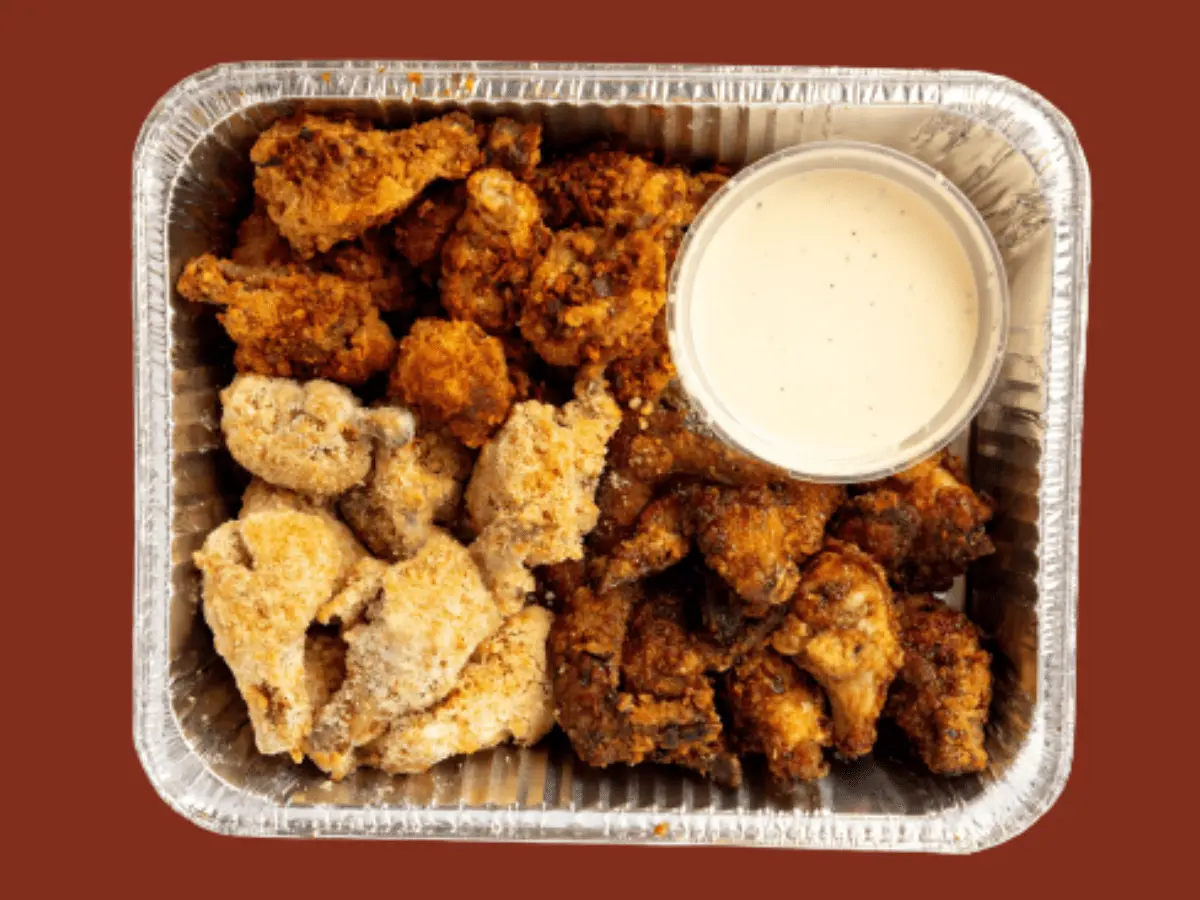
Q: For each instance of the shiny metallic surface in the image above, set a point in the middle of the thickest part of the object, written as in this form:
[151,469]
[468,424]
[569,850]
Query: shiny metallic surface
[1013,155]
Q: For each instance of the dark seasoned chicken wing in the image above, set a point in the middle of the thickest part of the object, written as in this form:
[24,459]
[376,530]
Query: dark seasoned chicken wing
[942,693]
[515,146]
[924,525]
[422,229]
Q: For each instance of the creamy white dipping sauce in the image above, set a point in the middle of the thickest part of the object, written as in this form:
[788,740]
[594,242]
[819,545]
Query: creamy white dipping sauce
[835,311]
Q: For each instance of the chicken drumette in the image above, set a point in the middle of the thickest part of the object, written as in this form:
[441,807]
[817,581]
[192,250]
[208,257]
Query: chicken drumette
[325,181]
[942,693]
[488,259]
[842,630]
[924,525]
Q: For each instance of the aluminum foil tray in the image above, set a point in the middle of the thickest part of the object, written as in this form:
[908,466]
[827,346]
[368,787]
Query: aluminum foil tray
[1014,156]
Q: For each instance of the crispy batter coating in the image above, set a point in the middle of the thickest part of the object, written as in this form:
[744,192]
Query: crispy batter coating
[942,694]
[488,260]
[616,190]
[779,712]
[431,613]
[293,322]
[504,693]
[514,146]
[924,525]
[731,625]
[259,243]
[640,379]
[325,182]
[531,497]
[314,438]
[409,488]
[454,374]
[842,629]
[264,577]
[595,296]
[324,668]
[665,713]
[422,229]
[369,262]
[753,537]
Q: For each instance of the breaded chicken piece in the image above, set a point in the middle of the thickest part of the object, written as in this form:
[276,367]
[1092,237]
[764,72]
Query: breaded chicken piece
[369,262]
[924,525]
[259,243]
[488,260]
[594,296]
[753,537]
[640,379]
[630,685]
[325,182]
[314,438]
[942,694]
[431,613]
[454,374]
[503,694]
[531,498]
[779,711]
[293,322]
[730,624]
[264,577]
[422,229]
[842,629]
[409,488]
[514,146]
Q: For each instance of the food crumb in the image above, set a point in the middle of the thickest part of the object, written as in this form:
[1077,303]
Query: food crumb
[326,77]
[326,785]
[635,402]
[662,829]
[382,69]
[415,78]
[469,84]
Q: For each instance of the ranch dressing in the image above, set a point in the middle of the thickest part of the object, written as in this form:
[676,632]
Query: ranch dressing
[835,311]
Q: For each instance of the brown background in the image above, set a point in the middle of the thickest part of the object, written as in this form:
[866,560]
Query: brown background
[77,87]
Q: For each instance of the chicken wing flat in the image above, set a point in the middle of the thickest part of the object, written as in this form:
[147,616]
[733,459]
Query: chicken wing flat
[488,260]
[608,725]
[943,692]
[779,712]
[503,694]
[409,489]
[431,613]
[454,374]
[924,525]
[514,146]
[595,296]
[314,438]
[325,182]
[531,498]
[264,577]
[422,229]
[842,629]
[293,322]
[753,537]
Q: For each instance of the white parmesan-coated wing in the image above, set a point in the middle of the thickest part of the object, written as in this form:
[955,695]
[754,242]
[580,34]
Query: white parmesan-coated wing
[430,614]
[504,694]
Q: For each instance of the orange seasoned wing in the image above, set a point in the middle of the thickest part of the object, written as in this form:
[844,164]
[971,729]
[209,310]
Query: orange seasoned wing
[325,181]
[292,322]
[454,374]
[487,261]
[595,296]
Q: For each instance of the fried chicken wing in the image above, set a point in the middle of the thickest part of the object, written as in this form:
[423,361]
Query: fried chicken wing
[730,623]
[640,379]
[259,243]
[369,262]
[515,146]
[924,525]
[431,613]
[325,182]
[422,229]
[842,629]
[488,259]
[264,577]
[779,712]
[753,537]
[314,438]
[293,322]
[409,489]
[503,694]
[594,297]
[942,694]
[531,497]
[592,643]
[454,374]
